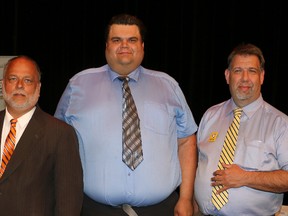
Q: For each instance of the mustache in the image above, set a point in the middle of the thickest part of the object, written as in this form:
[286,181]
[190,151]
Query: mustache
[19,92]
[245,84]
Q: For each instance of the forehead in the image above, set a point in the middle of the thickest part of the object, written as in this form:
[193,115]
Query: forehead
[117,30]
[245,60]
[21,67]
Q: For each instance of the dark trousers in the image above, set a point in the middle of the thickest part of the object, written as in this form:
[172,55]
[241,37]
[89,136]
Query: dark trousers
[164,208]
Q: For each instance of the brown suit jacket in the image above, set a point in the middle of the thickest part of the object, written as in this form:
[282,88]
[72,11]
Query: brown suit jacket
[44,175]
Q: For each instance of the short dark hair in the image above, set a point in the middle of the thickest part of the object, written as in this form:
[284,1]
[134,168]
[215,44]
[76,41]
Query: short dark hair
[126,19]
[247,49]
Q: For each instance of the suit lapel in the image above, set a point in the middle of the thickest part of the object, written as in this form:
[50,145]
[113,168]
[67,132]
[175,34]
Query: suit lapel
[2,115]
[25,145]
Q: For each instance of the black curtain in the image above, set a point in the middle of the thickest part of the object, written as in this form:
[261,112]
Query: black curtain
[190,40]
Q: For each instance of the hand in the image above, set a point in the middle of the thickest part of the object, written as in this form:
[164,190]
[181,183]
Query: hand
[184,207]
[231,177]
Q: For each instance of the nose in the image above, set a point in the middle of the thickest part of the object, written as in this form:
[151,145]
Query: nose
[245,75]
[124,43]
[19,83]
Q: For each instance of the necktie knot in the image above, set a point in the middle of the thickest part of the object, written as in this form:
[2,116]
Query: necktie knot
[13,122]
[237,111]
[124,78]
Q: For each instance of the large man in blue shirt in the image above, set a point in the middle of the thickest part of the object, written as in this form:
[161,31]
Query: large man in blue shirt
[92,103]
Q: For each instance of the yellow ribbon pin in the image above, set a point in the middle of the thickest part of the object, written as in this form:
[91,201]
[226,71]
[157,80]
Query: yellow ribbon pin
[213,136]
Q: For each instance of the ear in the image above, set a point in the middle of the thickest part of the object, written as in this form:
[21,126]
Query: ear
[227,76]
[262,77]
[39,87]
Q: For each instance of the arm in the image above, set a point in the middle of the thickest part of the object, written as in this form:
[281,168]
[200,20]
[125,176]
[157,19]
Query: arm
[187,151]
[233,177]
[68,174]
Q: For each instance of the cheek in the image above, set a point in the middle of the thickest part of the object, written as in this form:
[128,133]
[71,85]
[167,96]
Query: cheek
[111,52]
[234,82]
[8,88]
[32,90]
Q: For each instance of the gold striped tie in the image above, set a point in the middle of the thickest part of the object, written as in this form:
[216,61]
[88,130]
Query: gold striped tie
[132,154]
[8,146]
[227,157]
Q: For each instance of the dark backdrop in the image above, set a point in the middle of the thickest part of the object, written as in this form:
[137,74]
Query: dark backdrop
[190,40]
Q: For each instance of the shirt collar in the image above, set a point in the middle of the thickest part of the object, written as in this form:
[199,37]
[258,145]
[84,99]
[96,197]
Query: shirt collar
[134,75]
[249,109]
[23,120]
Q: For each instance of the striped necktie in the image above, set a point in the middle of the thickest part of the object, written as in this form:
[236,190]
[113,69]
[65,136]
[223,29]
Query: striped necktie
[227,157]
[132,154]
[8,146]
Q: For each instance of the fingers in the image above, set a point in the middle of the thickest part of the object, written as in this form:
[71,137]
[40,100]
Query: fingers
[221,190]
[216,181]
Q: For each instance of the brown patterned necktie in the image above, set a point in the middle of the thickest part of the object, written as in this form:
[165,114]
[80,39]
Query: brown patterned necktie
[8,146]
[227,157]
[132,154]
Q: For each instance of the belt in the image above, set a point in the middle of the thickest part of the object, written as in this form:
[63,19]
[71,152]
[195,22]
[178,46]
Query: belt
[129,210]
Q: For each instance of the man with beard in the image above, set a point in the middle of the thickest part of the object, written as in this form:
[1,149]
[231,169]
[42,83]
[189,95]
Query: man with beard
[252,181]
[41,172]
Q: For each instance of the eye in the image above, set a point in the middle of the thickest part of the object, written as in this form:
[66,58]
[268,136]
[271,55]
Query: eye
[115,40]
[12,79]
[133,40]
[237,70]
[253,70]
[28,81]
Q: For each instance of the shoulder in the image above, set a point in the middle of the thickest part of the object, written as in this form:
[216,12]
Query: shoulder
[216,108]
[47,120]
[159,75]
[273,111]
[88,72]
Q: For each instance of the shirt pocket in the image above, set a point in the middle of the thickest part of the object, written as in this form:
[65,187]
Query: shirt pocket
[156,118]
[254,155]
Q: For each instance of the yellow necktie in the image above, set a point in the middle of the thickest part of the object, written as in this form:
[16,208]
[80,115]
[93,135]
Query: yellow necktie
[227,157]
[8,146]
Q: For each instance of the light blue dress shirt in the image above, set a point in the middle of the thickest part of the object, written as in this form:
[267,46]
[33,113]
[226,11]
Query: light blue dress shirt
[92,104]
[262,146]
